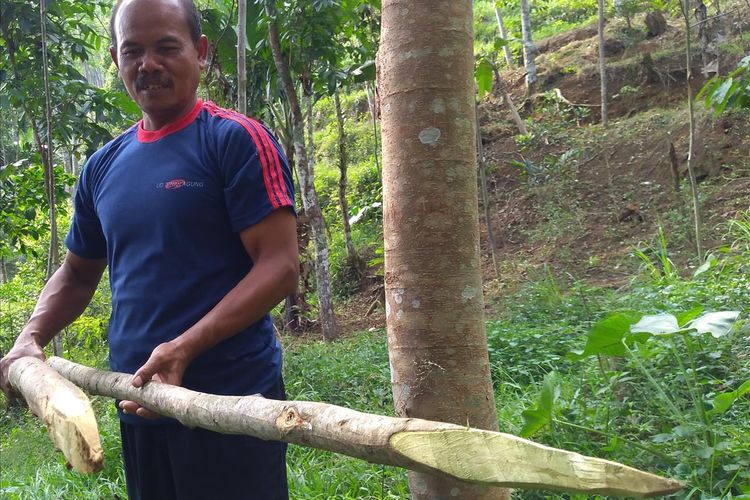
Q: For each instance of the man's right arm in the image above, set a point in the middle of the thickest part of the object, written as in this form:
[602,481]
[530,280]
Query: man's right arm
[63,299]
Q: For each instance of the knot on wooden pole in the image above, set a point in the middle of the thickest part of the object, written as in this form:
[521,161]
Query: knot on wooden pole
[291,419]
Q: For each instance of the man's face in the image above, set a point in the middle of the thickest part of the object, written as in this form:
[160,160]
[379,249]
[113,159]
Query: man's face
[157,59]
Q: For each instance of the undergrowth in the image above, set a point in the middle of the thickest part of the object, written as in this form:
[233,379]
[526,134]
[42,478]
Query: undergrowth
[652,402]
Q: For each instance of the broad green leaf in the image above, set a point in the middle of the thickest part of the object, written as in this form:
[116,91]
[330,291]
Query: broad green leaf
[719,95]
[606,336]
[723,401]
[499,43]
[483,75]
[710,262]
[683,318]
[717,324]
[658,324]
[540,416]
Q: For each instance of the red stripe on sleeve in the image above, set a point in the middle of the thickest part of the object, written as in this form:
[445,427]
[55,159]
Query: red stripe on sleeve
[276,165]
[277,180]
[267,176]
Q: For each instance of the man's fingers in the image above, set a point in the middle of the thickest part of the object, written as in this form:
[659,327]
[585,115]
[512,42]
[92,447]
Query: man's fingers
[146,413]
[133,408]
[143,375]
[129,407]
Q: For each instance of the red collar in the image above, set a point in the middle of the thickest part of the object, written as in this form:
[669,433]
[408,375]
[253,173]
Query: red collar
[170,128]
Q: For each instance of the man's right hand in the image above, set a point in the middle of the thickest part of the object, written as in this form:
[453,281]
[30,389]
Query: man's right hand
[25,346]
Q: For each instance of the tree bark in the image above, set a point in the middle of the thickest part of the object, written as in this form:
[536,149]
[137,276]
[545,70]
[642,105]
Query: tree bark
[504,36]
[241,57]
[65,410]
[452,451]
[485,195]
[353,259]
[307,187]
[529,49]
[434,306]
[373,105]
[500,86]
[685,9]
[603,67]
[53,259]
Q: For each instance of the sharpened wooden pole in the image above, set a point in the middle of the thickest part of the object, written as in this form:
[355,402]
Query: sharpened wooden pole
[467,454]
[65,410]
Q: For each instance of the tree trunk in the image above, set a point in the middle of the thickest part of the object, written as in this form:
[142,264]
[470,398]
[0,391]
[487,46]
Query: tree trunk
[307,187]
[53,259]
[241,57]
[450,450]
[352,257]
[373,105]
[529,49]
[685,9]
[504,36]
[485,195]
[500,86]
[603,67]
[674,166]
[434,306]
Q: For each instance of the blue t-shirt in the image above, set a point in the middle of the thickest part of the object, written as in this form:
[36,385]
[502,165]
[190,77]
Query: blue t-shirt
[165,208]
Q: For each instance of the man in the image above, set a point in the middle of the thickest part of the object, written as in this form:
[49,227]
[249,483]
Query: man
[191,208]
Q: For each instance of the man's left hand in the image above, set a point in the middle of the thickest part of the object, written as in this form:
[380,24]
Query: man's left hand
[167,365]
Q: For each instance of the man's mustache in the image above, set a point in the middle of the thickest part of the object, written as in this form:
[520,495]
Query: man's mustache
[143,81]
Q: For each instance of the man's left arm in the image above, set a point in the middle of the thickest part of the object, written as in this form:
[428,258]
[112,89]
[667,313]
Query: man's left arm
[272,245]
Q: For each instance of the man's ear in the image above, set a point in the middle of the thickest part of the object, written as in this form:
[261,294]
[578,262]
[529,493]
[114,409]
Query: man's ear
[113,55]
[202,47]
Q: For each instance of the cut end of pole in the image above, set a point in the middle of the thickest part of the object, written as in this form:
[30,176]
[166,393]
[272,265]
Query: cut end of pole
[64,409]
[487,457]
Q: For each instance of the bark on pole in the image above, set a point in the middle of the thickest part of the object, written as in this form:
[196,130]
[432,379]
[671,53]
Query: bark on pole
[434,305]
[439,448]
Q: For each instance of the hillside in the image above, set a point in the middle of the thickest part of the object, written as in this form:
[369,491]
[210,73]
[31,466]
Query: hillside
[579,199]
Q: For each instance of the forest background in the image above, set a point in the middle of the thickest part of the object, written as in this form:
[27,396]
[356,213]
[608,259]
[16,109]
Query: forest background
[587,226]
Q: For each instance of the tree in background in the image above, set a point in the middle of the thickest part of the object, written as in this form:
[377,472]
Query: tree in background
[75,125]
[353,260]
[685,9]
[503,35]
[529,49]
[307,187]
[434,304]
[602,64]
[241,57]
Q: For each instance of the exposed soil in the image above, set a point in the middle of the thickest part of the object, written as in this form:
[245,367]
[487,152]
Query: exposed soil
[589,196]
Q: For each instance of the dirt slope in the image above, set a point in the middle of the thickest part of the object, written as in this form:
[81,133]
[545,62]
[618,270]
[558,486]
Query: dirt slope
[577,198]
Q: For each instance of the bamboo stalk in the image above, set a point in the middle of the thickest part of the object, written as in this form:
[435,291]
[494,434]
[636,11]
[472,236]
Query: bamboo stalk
[463,453]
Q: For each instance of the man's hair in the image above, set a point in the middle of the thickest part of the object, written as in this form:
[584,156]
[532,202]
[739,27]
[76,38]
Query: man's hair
[192,17]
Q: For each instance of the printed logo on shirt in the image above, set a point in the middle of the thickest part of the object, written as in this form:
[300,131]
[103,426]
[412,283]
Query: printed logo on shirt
[178,184]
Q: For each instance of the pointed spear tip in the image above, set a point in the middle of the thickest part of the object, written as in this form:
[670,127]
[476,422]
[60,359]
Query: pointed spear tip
[505,460]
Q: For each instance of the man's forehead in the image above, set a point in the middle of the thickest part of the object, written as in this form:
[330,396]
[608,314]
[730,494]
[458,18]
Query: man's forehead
[143,10]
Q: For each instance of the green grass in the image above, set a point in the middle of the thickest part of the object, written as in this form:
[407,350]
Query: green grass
[649,409]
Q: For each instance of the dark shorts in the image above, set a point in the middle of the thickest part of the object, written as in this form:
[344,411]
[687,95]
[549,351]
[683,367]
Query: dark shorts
[164,462]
